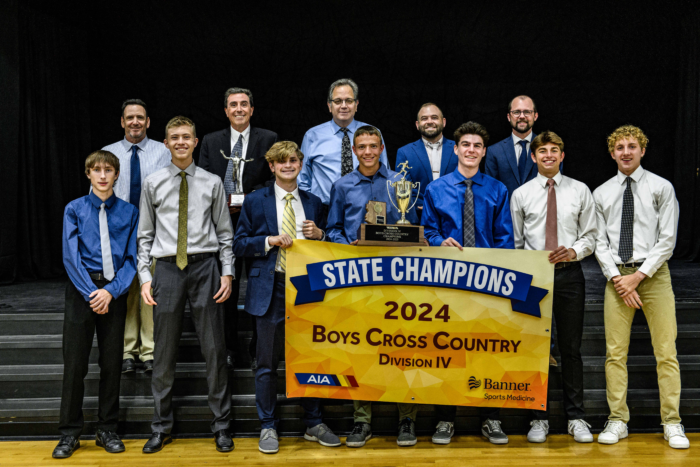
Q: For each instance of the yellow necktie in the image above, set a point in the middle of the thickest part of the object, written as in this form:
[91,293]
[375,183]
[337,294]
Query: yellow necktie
[181,258]
[289,226]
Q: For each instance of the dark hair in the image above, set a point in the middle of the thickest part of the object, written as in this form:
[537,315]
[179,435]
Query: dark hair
[101,157]
[367,130]
[230,91]
[510,103]
[427,104]
[134,102]
[546,137]
[472,128]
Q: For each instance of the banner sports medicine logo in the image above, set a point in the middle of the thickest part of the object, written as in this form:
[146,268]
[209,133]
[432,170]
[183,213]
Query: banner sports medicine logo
[474,383]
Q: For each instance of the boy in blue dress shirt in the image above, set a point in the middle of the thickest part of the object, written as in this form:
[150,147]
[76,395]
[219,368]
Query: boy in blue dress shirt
[99,254]
[468,209]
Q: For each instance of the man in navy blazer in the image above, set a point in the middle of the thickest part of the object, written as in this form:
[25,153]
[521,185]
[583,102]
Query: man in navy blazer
[509,161]
[430,157]
[271,218]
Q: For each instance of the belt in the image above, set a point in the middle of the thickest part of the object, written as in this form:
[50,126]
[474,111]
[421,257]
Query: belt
[190,258]
[98,276]
[630,265]
[565,264]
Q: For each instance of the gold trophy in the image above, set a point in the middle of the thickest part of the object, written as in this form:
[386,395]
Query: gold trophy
[400,234]
[403,189]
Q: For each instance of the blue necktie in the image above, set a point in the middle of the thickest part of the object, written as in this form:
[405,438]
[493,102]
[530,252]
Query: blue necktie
[522,161]
[135,186]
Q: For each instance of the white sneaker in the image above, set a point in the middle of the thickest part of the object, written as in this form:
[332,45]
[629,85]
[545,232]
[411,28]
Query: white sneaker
[538,432]
[614,431]
[580,430]
[675,435]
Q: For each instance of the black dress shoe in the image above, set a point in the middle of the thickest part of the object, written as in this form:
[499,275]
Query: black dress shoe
[156,443]
[110,441]
[66,446]
[148,366]
[128,365]
[224,443]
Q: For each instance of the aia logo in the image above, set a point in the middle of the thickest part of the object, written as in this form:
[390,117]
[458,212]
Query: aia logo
[474,383]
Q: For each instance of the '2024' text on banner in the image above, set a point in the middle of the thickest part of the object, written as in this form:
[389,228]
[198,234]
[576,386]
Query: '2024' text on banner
[418,324]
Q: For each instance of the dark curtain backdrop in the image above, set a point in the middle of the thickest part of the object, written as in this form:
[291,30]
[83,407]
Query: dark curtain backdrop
[590,67]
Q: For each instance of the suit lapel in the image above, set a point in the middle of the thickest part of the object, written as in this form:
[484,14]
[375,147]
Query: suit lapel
[530,164]
[448,152]
[422,156]
[270,208]
[226,142]
[308,207]
[254,138]
[510,155]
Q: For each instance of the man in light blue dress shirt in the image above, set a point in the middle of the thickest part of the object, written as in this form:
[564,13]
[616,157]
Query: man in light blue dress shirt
[327,146]
[148,156]
[349,197]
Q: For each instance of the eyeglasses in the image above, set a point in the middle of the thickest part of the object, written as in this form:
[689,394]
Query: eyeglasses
[340,101]
[526,113]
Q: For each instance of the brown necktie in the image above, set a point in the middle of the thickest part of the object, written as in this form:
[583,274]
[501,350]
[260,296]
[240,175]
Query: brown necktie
[550,237]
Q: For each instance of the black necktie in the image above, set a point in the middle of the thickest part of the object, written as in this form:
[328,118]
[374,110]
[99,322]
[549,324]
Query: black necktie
[522,161]
[345,154]
[135,182]
[627,223]
[469,240]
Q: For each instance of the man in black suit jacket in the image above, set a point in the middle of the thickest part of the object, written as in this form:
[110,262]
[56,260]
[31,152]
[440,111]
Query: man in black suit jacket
[249,143]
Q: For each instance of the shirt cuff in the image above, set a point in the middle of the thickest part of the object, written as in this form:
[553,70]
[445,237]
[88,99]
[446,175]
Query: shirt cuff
[227,270]
[647,269]
[579,252]
[145,277]
[611,272]
[110,288]
[267,245]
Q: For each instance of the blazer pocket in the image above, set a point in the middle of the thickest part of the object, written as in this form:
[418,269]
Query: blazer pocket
[254,272]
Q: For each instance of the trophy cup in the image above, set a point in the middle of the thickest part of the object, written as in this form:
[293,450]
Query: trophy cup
[236,198]
[374,232]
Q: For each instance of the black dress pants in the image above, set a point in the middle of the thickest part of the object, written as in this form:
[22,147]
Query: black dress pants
[568,307]
[79,325]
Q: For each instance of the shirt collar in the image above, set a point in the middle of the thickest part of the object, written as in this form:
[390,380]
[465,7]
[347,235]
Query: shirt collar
[97,202]
[280,193]
[382,172]
[141,145]
[636,175]
[439,143]
[175,170]
[336,128]
[542,180]
[478,178]
[517,140]
[235,134]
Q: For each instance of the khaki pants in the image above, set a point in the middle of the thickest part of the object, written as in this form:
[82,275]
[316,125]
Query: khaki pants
[138,331]
[660,310]
[363,411]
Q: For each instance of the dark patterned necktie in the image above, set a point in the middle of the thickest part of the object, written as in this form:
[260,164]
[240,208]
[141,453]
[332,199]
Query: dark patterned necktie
[345,154]
[229,185]
[135,182]
[522,161]
[627,223]
[468,216]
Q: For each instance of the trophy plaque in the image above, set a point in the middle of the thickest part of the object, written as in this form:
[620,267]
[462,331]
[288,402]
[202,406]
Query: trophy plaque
[236,198]
[375,233]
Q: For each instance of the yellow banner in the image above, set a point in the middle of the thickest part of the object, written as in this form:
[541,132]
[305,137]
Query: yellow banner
[425,325]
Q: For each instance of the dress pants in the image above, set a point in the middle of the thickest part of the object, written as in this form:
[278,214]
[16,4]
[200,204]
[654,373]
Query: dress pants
[568,303]
[172,287]
[270,343]
[79,326]
[448,413]
[138,330]
[363,411]
[659,308]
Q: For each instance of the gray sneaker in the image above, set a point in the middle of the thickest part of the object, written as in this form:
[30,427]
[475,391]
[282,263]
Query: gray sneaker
[269,443]
[539,431]
[407,433]
[444,433]
[361,433]
[492,430]
[323,435]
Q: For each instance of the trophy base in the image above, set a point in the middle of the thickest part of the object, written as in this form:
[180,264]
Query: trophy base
[236,200]
[390,235]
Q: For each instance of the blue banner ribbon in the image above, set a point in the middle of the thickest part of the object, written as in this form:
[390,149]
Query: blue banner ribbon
[420,271]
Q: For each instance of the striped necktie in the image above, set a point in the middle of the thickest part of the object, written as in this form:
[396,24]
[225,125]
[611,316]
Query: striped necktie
[289,226]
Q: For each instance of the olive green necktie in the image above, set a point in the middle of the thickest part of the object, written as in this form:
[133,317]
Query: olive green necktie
[289,226]
[182,224]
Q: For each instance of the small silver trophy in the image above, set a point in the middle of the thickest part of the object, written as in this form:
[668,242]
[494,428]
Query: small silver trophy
[236,198]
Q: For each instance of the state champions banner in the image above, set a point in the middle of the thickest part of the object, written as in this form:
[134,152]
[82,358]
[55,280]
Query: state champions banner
[425,325]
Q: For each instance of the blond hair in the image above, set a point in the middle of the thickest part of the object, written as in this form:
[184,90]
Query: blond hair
[627,131]
[101,157]
[283,150]
[178,122]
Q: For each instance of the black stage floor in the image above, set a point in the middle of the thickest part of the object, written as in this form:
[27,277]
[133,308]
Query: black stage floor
[48,295]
